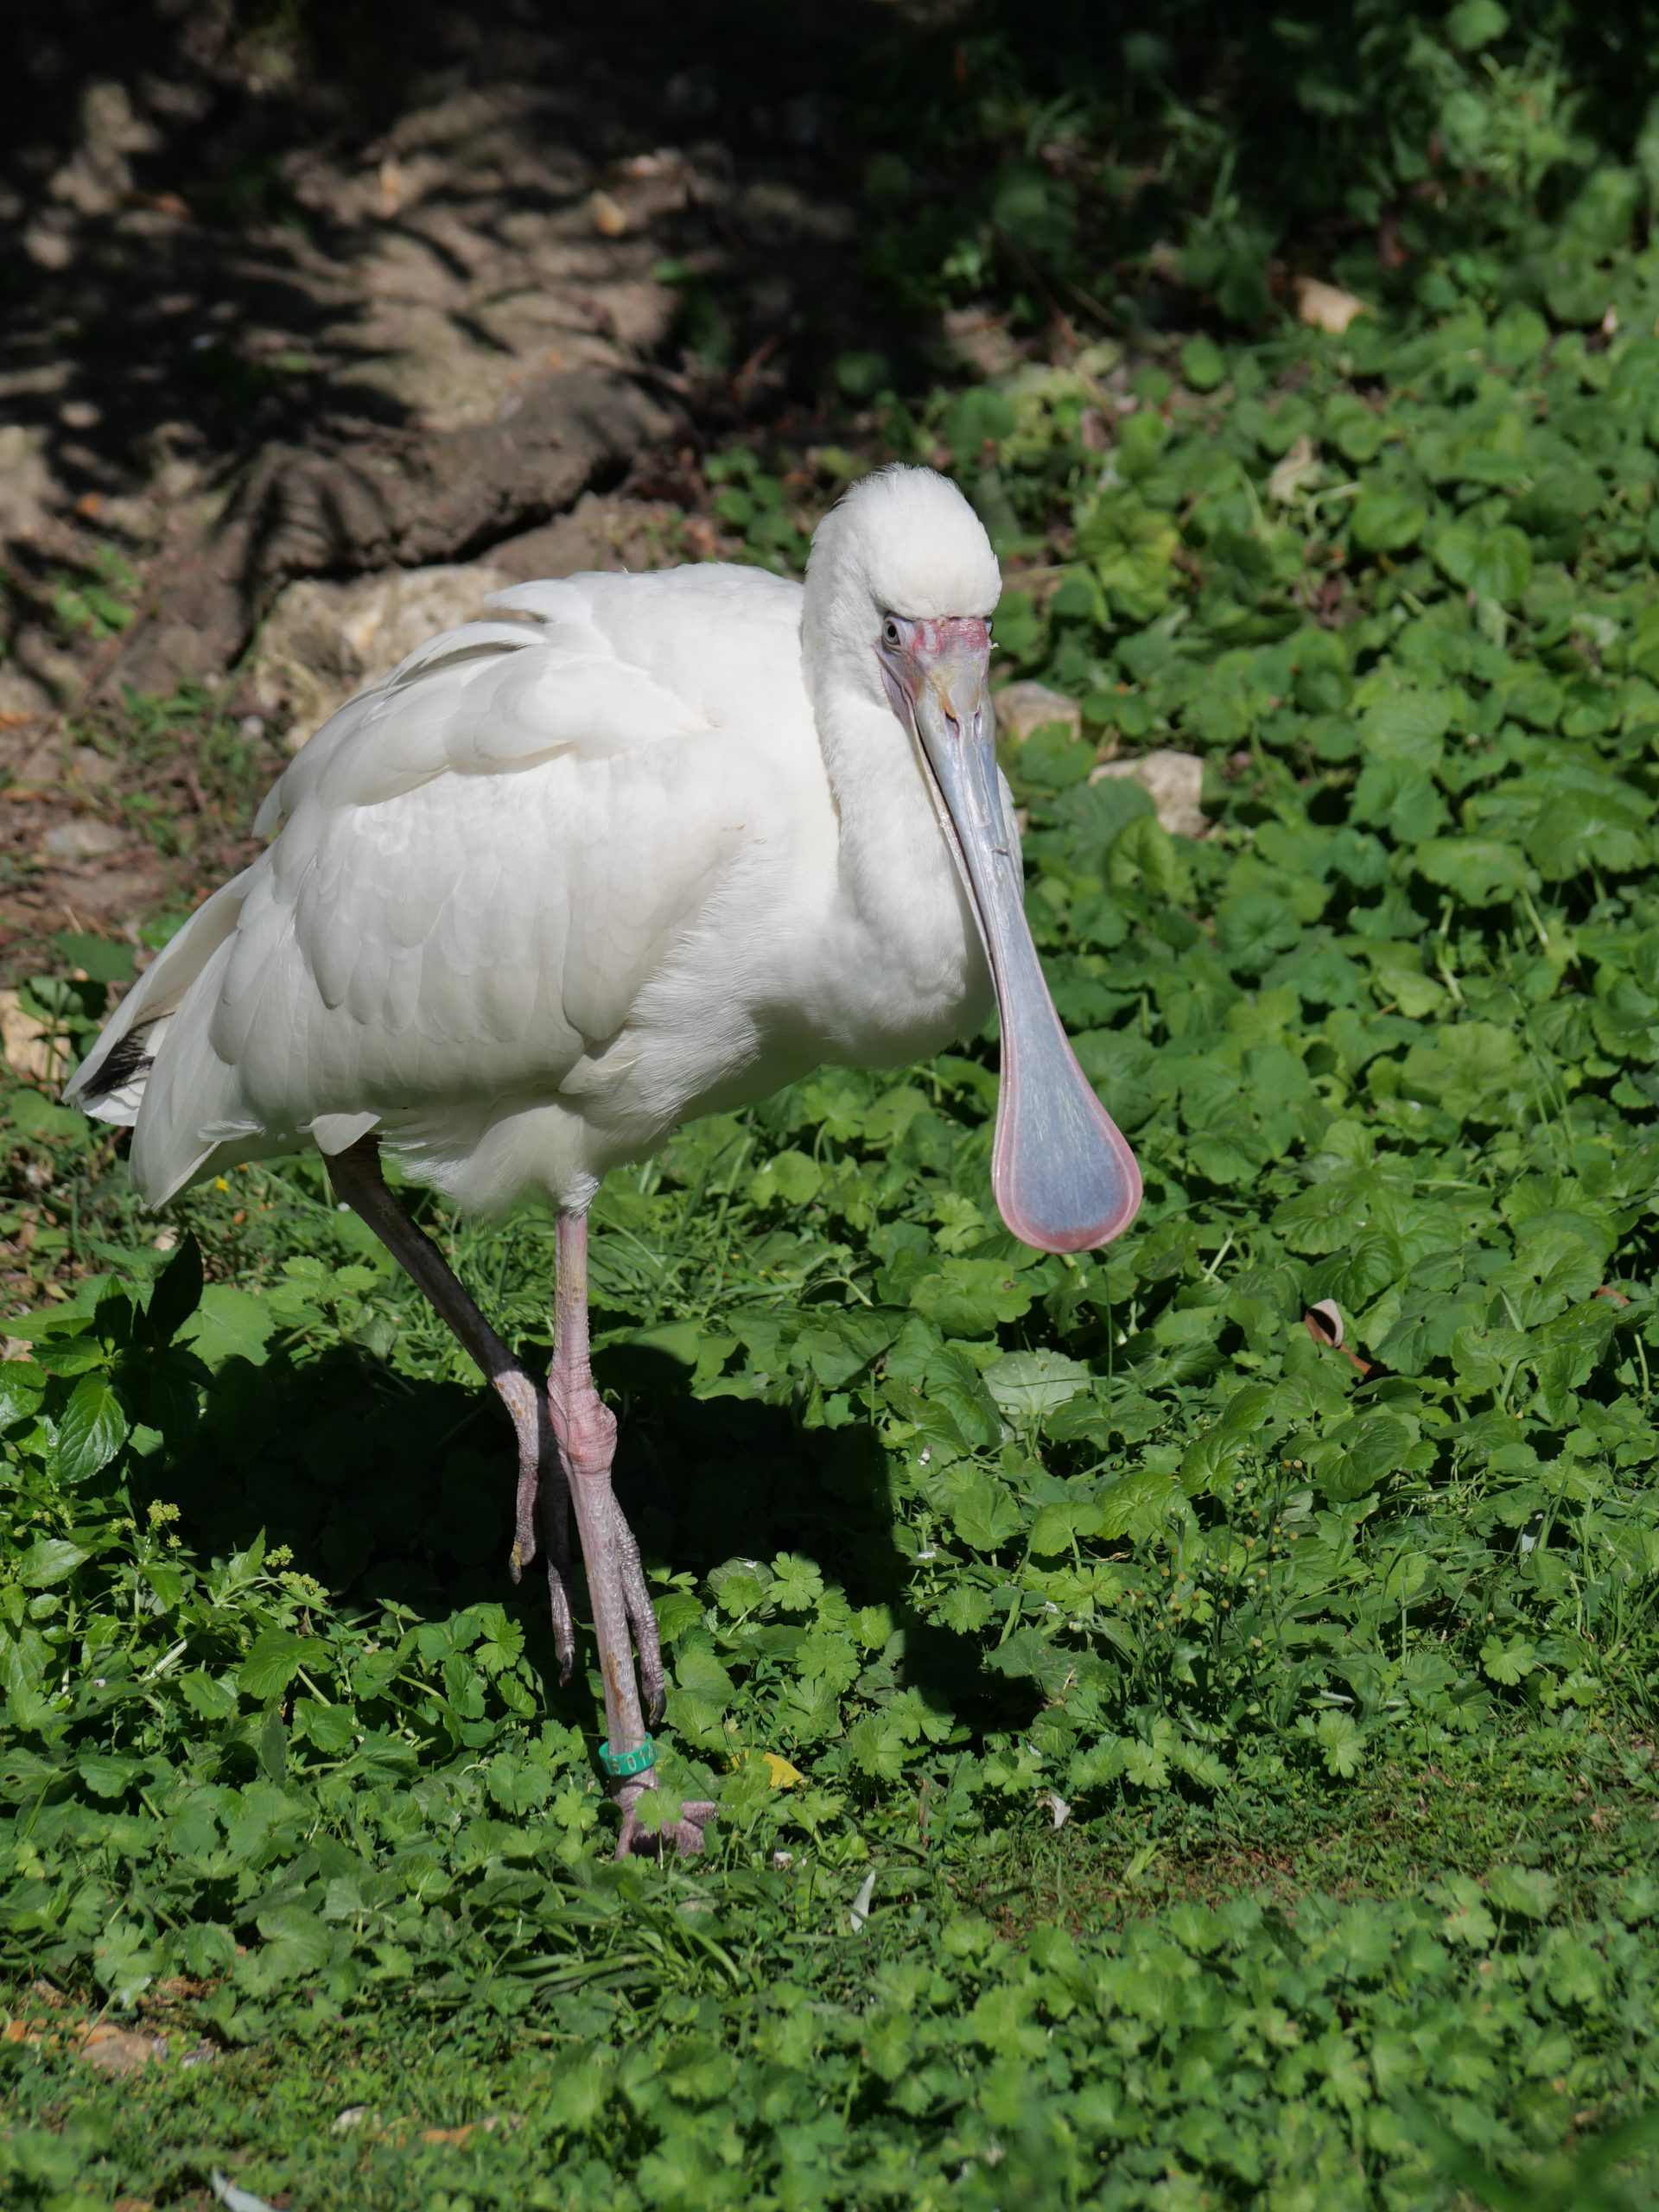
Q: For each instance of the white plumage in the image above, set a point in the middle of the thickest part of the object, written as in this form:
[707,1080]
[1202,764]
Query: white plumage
[555,884]
[632,848]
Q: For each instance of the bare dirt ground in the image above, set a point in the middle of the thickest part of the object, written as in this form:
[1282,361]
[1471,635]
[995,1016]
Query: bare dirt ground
[467,284]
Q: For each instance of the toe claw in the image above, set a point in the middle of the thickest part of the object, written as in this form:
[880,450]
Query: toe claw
[684,1838]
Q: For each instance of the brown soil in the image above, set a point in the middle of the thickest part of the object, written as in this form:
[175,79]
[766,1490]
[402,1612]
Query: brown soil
[307,293]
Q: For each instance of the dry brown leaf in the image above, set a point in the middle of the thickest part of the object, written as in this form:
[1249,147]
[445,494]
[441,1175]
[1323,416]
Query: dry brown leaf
[487,2126]
[1327,306]
[117,2051]
[176,1988]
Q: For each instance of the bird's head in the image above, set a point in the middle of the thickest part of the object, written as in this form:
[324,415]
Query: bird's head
[905,583]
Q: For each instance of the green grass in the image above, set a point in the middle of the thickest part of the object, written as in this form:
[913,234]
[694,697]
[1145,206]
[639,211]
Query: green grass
[1342,1673]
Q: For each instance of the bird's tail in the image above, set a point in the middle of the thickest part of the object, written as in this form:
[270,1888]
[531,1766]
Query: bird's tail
[156,1025]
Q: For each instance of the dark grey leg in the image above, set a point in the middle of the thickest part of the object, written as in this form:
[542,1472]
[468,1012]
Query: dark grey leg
[356,1176]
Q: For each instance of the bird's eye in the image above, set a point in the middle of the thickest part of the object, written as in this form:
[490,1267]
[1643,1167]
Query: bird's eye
[889,633]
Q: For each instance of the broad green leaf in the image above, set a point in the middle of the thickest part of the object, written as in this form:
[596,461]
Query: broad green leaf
[47,1561]
[1580,830]
[1480,870]
[982,1513]
[1474,23]
[276,1657]
[177,1293]
[1494,564]
[1359,1454]
[1386,522]
[1528,1890]
[791,1176]
[969,1298]
[1203,364]
[1138,1505]
[228,1324]
[1028,1384]
[1508,1660]
[106,1776]
[1341,1742]
[91,1431]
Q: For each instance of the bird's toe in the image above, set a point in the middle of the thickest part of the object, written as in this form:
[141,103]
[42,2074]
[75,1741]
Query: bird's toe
[656,1699]
[681,1839]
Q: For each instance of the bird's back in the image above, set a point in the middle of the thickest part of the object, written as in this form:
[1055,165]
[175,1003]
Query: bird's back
[490,878]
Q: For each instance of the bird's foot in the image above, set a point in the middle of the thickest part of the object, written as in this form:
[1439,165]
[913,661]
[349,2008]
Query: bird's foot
[681,1839]
[587,1427]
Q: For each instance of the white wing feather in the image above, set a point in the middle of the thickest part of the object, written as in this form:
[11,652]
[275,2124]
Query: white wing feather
[479,865]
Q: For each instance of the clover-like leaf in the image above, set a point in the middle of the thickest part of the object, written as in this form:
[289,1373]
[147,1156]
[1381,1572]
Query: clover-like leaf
[1480,870]
[1028,1384]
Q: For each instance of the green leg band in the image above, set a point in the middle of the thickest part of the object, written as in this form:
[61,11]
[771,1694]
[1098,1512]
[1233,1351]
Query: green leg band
[620,1765]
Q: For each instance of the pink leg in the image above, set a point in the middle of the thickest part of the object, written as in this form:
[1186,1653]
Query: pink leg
[585,1428]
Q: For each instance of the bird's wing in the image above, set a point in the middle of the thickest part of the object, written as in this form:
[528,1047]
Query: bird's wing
[481,861]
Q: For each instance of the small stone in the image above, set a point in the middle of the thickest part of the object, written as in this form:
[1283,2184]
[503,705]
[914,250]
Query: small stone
[610,220]
[91,767]
[1175,783]
[1327,306]
[117,2052]
[84,839]
[1024,707]
[22,699]
[28,1044]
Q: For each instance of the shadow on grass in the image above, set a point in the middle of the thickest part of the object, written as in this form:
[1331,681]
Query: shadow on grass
[392,1489]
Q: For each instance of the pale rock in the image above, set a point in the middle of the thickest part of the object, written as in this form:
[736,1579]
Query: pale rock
[1024,707]
[27,493]
[118,2051]
[93,768]
[1172,781]
[1327,306]
[84,839]
[21,697]
[323,642]
[28,1043]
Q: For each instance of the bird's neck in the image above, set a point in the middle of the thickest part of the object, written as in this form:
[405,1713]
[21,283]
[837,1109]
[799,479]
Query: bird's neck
[900,906]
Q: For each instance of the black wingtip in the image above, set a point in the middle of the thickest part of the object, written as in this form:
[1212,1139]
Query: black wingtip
[128,1061]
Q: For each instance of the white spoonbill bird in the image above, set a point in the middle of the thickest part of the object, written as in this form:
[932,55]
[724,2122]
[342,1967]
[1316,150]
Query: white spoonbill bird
[632,848]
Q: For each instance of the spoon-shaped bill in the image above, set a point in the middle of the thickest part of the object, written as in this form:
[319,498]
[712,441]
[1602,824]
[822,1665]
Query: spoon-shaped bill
[1064,1176]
